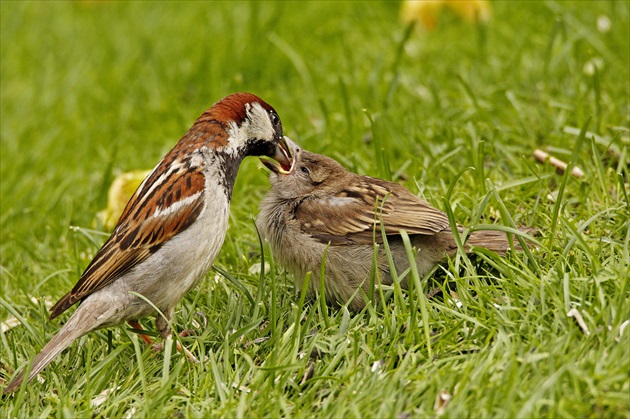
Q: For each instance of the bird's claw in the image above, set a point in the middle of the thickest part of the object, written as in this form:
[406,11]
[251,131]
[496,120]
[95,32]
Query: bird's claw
[159,347]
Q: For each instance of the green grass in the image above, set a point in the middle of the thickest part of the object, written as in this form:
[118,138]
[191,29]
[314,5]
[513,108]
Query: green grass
[93,89]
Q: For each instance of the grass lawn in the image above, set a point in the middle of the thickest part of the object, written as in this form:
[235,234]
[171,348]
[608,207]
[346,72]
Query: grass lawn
[93,89]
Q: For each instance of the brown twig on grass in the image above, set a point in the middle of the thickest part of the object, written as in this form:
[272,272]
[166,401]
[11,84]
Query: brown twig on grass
[561,166]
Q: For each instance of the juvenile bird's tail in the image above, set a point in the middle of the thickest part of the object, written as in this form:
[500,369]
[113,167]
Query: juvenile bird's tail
[78,325]
[496,241]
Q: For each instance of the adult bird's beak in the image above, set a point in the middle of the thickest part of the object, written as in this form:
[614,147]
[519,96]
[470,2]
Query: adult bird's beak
[283,159]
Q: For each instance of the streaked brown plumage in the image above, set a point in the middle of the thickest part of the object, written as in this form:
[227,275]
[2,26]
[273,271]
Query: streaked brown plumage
[317,206]
[172,228]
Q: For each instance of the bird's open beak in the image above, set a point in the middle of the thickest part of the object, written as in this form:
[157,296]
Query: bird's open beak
[283,159]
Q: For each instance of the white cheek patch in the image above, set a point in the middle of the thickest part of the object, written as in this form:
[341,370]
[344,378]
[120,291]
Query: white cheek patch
[258,125]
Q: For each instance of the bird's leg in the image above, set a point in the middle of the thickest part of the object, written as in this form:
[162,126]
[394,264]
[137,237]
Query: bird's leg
[165,332]
[162,325]
[136,325]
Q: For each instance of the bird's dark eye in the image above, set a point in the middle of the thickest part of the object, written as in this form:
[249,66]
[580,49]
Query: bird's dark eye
[275,119]
[304,170]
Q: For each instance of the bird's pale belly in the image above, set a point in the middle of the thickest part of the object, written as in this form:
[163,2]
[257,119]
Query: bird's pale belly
[172,271]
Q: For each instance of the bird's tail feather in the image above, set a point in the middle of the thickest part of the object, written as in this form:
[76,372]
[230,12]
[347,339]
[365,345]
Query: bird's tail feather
[496,241]
[72,330]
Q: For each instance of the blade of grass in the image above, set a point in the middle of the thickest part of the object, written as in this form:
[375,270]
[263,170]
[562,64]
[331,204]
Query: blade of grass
[138,353]
[400,49]
[237,283]
[565,179]
[166,362]
[420,294]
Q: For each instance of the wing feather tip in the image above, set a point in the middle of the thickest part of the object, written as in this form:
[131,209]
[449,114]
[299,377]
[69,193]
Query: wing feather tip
[62,305]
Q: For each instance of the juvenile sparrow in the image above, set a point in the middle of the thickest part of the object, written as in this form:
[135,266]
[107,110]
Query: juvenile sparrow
[317,206]
[172,228]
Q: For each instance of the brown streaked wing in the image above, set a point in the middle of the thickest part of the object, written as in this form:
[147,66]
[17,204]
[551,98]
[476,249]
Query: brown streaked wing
[139,233]
[353,221]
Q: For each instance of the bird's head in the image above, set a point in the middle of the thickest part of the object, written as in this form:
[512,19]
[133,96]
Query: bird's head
[309,173]
[240,125]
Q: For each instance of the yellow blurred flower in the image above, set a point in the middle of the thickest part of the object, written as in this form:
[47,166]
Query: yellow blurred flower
[428,11]
[118,195]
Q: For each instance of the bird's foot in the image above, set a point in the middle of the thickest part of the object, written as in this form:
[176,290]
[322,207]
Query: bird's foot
[159,346]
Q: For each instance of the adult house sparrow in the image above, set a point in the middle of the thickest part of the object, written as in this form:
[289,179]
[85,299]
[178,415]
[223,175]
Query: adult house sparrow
[172,228]
[317,206]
